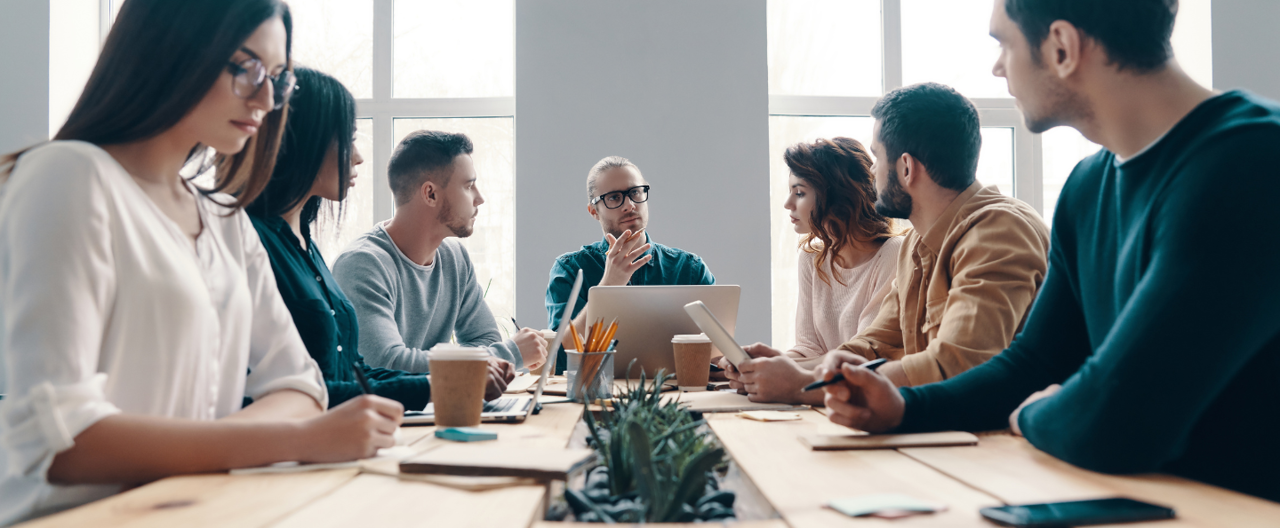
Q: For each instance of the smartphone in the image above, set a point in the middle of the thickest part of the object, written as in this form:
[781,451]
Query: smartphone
[1077,513]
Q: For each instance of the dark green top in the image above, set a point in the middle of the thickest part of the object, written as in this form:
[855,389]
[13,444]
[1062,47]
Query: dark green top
[1160,313]
[327,321]
[668,267]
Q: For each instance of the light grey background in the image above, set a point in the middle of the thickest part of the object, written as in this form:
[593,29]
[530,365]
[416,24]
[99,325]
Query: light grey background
[24,74]
[1246,46]
[679,88]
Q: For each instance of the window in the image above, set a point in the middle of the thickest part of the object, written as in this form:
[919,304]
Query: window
[424,64]
[830,60]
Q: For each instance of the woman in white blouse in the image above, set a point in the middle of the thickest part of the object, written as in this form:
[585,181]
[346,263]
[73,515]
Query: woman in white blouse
[138,311]
[847,261]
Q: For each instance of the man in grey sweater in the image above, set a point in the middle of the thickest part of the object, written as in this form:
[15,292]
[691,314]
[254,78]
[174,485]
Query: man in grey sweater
[412,284]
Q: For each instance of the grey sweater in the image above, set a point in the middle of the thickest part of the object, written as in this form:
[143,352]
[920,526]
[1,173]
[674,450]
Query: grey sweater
[405,309]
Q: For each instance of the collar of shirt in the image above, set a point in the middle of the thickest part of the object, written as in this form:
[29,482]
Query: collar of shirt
[285,231]
[938,232]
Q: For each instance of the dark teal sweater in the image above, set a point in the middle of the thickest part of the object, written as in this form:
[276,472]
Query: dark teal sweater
[1160,313]
[327,321]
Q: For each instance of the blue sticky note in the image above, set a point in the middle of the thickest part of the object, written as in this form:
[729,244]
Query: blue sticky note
[466,434]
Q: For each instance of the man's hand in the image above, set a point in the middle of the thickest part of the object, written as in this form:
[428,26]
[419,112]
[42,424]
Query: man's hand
[864,400]
[533,347]
[501,372]
[1040,395]
[624,257]
[777,379]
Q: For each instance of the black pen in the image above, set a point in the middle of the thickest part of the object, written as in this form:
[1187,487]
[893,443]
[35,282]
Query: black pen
[363,381]
[870,365]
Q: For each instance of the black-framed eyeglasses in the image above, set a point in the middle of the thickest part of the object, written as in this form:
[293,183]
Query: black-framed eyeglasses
[248,76]
[614,200]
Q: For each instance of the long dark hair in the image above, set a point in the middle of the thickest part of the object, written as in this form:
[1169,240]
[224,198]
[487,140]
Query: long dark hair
[839,172]
[323,113]
[159,61]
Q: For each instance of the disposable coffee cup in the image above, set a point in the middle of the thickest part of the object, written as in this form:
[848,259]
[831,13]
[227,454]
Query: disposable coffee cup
[458,377]
[693,361]
[550,336]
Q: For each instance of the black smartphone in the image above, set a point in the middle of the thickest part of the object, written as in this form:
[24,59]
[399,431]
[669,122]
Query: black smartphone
[1077,513]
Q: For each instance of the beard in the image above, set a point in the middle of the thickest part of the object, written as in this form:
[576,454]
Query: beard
[462,227]
[616,229]
[893,202]
[1061,106]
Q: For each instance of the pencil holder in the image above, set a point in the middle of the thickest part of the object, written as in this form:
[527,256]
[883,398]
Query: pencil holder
[590,375]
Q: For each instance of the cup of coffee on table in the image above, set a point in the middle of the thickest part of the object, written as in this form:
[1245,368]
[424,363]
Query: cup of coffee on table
[550,336]
[458,376]
[693,361]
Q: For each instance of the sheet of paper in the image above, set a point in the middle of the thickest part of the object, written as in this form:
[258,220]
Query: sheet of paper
[389,453]
[769,416]
[891,505]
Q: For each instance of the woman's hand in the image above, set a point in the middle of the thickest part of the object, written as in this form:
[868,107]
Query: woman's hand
[354,430]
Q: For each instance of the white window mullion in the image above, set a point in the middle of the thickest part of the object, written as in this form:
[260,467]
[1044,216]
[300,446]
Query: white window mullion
[384,17]
[891,19]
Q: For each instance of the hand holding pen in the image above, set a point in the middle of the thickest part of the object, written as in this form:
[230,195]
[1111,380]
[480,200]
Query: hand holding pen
[856,396]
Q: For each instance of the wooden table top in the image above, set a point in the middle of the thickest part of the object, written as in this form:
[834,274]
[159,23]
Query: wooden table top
[1001,469]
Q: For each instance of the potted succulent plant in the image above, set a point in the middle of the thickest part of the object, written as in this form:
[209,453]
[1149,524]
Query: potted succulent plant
[659,462]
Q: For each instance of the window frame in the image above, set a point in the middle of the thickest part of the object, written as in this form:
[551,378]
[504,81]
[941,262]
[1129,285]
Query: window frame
[993,112]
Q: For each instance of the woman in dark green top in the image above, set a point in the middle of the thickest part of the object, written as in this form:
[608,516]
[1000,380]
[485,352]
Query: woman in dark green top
[316,159]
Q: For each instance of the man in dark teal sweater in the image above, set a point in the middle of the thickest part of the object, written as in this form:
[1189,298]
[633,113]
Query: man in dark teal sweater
[1154,344]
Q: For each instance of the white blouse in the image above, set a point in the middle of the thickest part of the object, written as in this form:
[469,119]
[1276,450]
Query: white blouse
[106,307]
[827,315]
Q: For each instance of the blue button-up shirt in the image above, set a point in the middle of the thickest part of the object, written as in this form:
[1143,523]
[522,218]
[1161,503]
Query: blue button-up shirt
[668,267]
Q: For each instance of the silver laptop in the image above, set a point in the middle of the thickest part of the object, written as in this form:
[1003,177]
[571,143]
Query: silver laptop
[649,315]
[515,408]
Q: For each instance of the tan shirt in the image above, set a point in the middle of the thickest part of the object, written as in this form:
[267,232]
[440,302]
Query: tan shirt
[962,290]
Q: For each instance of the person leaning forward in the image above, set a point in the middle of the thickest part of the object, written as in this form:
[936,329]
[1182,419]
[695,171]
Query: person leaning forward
[969,270]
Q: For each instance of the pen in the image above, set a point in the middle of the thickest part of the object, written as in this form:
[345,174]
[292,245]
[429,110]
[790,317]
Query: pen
[363,381]
[870,365]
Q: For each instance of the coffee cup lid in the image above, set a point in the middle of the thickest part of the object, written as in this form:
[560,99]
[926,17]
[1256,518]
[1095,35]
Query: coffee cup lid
[454,351]
[690,338]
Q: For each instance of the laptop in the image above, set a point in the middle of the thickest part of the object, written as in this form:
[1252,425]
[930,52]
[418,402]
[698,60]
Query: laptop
[514,408]
[648,316]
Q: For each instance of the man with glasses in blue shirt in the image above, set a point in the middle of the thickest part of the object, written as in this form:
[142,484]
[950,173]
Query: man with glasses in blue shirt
[617,197]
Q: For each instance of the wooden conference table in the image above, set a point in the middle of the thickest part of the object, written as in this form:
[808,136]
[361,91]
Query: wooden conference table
[1001,469]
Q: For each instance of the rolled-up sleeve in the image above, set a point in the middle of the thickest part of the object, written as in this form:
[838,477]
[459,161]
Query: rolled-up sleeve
[278,359]
[57,283]
[996,267]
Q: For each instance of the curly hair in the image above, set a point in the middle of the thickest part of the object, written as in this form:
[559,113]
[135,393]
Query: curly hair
[839,172]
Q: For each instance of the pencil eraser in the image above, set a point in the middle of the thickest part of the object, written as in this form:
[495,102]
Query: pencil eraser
[466,434]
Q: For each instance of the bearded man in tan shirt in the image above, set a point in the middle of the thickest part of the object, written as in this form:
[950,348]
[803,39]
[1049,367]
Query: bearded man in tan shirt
[967,271]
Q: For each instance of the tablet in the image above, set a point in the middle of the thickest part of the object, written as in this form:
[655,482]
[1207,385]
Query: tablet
[714,330]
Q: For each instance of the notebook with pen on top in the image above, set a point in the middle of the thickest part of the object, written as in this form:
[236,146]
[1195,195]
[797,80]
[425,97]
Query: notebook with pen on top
[513,408]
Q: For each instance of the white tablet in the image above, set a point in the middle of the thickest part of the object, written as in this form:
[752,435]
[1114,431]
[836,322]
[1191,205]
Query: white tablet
[714,330]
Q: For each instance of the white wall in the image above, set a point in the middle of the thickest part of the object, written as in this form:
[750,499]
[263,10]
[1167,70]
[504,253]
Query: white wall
[678,87]
[1246,46]
[24,73]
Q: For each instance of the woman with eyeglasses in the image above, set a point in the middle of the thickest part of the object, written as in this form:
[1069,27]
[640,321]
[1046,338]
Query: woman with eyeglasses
[848,255]
[137,311]
[315,167]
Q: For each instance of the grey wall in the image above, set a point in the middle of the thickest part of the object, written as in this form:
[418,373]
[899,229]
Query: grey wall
[1246,46]
[24,73]
[678,87]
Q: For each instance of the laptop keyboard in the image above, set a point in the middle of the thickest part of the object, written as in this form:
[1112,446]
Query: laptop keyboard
[500,405]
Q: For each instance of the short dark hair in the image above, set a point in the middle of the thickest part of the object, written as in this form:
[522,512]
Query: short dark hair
[419,156]
[322,113]
[936,125]
[1135,33]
